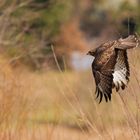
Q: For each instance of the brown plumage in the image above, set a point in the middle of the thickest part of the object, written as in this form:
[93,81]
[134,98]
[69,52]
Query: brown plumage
[110,66]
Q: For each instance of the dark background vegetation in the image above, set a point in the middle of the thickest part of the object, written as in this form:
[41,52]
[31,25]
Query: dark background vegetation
[30,27]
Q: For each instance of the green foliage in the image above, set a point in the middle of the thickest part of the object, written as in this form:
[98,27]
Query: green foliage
[32,25]
[138,19]
[126,6]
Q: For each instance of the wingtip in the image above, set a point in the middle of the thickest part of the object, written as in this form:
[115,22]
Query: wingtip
[106,97]
[109,97]
[101,96]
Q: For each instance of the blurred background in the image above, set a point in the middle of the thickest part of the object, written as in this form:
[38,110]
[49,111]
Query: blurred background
[46,84]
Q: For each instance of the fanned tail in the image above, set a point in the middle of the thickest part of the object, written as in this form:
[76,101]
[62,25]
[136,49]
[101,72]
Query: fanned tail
[130,42]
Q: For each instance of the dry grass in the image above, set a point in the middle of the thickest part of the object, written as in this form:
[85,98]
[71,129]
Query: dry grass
[61,105]
[55,105]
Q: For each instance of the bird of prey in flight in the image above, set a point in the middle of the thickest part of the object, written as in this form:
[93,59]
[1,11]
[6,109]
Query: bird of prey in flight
[110,66]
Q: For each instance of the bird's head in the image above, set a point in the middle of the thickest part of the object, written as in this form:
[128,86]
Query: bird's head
[91,52]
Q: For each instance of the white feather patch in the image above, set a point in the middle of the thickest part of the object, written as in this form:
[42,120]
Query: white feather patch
[120,73]
[119,77]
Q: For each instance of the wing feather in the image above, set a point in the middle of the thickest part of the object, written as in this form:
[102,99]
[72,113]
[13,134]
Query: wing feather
[121,71]
[103,82]
[130,42]
[103,74]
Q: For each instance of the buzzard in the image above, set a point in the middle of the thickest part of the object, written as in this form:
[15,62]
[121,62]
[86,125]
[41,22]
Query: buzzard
[110,66]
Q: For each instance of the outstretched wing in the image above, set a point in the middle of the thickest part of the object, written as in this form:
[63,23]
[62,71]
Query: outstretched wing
[121,71]
[103,82]
[127,43]
[104,77]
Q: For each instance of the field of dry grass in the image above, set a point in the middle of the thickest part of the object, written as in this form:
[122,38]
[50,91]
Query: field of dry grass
[61,105]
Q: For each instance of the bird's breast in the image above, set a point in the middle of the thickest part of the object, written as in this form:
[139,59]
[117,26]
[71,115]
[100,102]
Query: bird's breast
[102,58]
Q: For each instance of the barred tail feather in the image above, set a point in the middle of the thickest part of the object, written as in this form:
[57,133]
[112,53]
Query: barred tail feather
[127,43]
